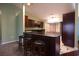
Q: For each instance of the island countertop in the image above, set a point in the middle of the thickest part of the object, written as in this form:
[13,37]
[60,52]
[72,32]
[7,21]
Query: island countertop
[46,34]
[51,42]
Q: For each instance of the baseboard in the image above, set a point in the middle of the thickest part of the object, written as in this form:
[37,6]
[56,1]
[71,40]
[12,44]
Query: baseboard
[8,42]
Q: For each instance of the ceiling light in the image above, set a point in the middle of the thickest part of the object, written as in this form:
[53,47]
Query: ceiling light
[54,19]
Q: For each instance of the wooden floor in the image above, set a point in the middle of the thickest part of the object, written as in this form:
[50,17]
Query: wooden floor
[12,49]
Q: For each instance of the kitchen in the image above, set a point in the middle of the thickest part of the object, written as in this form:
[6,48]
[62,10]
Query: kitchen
[48,21]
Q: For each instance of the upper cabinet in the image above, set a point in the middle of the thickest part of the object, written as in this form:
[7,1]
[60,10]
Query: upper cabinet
[33,23]
[26,21]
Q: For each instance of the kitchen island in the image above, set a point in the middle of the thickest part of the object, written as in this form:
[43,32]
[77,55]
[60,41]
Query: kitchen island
[45,44]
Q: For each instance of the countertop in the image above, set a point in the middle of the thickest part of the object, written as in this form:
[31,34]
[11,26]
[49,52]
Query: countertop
[35,28]
[47,34]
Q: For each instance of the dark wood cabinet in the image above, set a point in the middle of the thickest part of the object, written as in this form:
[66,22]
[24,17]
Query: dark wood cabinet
[26,21]
[30,23]
[33,23]
[41,45]
[38,24]
[68,29]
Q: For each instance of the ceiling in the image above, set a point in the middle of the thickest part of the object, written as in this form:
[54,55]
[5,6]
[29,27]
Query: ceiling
[44,10]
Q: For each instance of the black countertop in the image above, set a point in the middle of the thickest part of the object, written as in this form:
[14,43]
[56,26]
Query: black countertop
[51,42]
[46,34]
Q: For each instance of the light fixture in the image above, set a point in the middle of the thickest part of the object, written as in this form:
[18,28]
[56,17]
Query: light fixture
[54,19]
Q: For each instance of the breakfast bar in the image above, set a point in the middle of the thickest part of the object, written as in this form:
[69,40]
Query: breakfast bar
[43,44]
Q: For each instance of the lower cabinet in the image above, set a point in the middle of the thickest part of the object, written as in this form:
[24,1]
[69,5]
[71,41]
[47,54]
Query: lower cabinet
[38,45]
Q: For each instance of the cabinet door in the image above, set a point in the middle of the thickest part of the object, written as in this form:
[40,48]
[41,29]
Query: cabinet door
[26,21]
[68,29]
[29,22]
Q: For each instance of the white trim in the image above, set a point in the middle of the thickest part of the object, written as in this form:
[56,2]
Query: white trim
[8,42]
[23,17]
[76,20]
